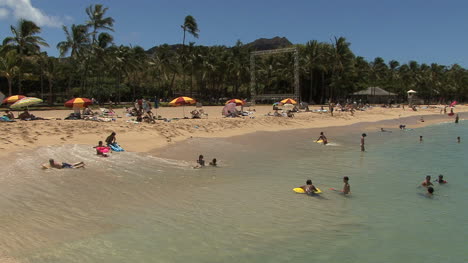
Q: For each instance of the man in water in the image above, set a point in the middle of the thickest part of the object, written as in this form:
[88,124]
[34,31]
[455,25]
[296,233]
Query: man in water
[458,139]
[363,149]
[427,182]
[309,188]
[111,139]
[59,165]
[346,187]
[200,162]
[441,180]
[323,138]
[420,138]
[456,118]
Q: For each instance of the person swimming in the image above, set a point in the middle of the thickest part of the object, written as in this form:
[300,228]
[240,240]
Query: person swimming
[430,191]
[213,162]
[200,162]
[101,149]
[309,188]
[427,182]
[441,180]
[60,165]
[402,126]
[323,138]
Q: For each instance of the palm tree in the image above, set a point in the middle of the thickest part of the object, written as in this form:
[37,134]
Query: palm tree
[97,21]
[77,39]
[190,25]
[9,68]
[342,62]
[26,42]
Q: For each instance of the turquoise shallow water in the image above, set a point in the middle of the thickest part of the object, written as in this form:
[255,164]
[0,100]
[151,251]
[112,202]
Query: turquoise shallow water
[137,208]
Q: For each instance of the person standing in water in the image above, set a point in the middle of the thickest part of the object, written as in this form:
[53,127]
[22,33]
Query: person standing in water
[363,136]
[427,182]
[456,118]
[441,180]
[323,138]
[458,139]
[346,187]
[420,138]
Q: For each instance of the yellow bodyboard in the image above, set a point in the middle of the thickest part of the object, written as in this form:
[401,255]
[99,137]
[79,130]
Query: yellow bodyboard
[301,191]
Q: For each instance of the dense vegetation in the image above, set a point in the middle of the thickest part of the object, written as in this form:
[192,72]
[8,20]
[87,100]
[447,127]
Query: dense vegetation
[91,65]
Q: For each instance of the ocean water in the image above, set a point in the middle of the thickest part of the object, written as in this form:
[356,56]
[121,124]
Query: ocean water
[135,207]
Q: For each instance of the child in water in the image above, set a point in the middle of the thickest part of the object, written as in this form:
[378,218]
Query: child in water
[430,191]
[323,138]
[309,188]
[213,162]
[441,180]
[346,187]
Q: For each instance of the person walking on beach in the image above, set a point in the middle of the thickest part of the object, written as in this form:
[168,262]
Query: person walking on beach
[363,148]
[111,139]
[427,182]
[332,108]
[323,138]
[456,118]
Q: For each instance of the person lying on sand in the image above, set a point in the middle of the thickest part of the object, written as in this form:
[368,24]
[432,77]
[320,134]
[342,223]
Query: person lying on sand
[59,165]
[9,114]
[26,116]
[309,188]
[427,182]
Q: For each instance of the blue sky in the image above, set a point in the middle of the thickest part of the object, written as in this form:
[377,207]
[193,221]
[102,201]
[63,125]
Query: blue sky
[426,31]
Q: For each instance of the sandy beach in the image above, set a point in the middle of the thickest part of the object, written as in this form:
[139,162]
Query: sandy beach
[144,137]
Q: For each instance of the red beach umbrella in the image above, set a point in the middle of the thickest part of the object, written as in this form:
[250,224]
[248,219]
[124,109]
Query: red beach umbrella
[78,103]
[238,102]
[13,99]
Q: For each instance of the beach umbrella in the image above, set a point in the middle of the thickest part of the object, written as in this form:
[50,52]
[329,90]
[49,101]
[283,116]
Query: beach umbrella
[453,104]
[289,101]
[13,99]
[411,91]
[182,101]
[78,103]
[238,102]
[26,102]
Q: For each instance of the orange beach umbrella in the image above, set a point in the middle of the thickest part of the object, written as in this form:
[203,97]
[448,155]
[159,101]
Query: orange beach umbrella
[78,103]
[289,101]
[238,102]
[13,99]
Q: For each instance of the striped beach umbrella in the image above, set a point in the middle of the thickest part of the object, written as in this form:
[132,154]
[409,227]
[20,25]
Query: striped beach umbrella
[182,101]
[289,101]
[78,103]
[13,99]
[26,102]
[238,102]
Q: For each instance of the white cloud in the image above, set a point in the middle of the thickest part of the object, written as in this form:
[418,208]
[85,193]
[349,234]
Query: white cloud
[4,13]
[25,9]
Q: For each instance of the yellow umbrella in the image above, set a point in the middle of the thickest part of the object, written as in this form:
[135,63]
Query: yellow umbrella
[238,102]
[289,101]
[26,102]
[182,101]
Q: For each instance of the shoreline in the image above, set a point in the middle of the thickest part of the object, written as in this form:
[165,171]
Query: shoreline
[151,138]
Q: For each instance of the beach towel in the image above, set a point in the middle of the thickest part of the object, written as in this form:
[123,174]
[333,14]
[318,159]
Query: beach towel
[116,148]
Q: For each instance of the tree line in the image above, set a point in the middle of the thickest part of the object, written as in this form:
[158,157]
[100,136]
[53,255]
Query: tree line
[91,65]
